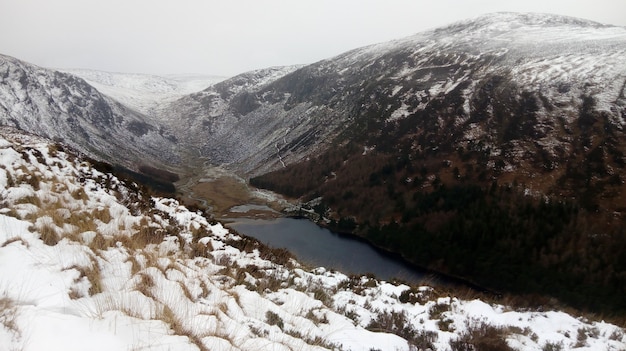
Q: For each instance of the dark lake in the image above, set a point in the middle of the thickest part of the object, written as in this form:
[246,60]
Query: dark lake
[318,246]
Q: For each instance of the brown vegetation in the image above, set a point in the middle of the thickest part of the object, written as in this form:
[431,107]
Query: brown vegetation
[221,194]
[455,208]
[481,336]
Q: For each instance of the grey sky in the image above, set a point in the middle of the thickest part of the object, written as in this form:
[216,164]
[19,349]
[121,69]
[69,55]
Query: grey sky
[234,36]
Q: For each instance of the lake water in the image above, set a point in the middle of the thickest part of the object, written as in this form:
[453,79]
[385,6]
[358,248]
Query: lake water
[317,246]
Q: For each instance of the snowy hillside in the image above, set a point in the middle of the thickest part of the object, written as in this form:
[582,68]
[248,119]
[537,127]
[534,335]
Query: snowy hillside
[458,73]
[89,262]
[64,107]
[144,92]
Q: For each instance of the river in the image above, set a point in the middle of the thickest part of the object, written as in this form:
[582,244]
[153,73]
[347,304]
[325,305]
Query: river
[318,246]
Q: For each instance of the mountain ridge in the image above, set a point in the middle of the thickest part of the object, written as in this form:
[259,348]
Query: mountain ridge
[64,107]
[284,143]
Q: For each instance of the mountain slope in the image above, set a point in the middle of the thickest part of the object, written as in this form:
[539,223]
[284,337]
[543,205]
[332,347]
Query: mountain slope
[451,72]
[61,106]
[492,149]
[227,126]
[88,261]
[520,97]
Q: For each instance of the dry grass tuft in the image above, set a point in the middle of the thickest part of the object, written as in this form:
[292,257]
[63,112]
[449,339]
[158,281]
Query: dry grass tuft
[398,323]
[11,212]
[145,285]
[167,315]
[54,210]
[246,244]
[93,275]
[14,240]
[205,289]
[435,311]
[30,199]
[128,242]
[8,314]
[146,234]
[187,292]
[313,341]
[200,232]
[314,316]
[481,336]
[82,222]
[102,214]
[48,235]
[74,294]
[273,318]
[80,194]
[197,249]
[100,242]
[25,176]
[135,265]
[320,294]
[223,307]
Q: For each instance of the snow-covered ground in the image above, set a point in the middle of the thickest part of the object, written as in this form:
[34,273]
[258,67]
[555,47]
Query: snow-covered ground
[87,262]
[145,92]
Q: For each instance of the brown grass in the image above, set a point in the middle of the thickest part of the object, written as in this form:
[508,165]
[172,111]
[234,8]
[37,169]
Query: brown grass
[52,210]
[187,292]
[93,275]
[481,336]
[83,221]
[222,193]
[48,235]
[146,234]
[135,265]
[102,214]
[100,242]
[145,285]
[313,317]
[28,177]
[31,199]
[14,240]
[11,212]
[8,314]
[197,249]
[79,194]
[168,316]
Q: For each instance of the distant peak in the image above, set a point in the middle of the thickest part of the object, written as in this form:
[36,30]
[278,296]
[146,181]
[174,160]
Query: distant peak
[533,18]
[511,20]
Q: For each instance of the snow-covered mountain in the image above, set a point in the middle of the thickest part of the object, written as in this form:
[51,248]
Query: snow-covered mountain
[228,126]
[469,74]
[144,92]
[66,108]
[462,73]
[88,261]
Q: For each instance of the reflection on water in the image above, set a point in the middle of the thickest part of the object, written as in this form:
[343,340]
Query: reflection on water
[320,247]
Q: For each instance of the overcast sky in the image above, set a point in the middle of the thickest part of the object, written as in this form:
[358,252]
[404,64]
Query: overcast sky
[228,37]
